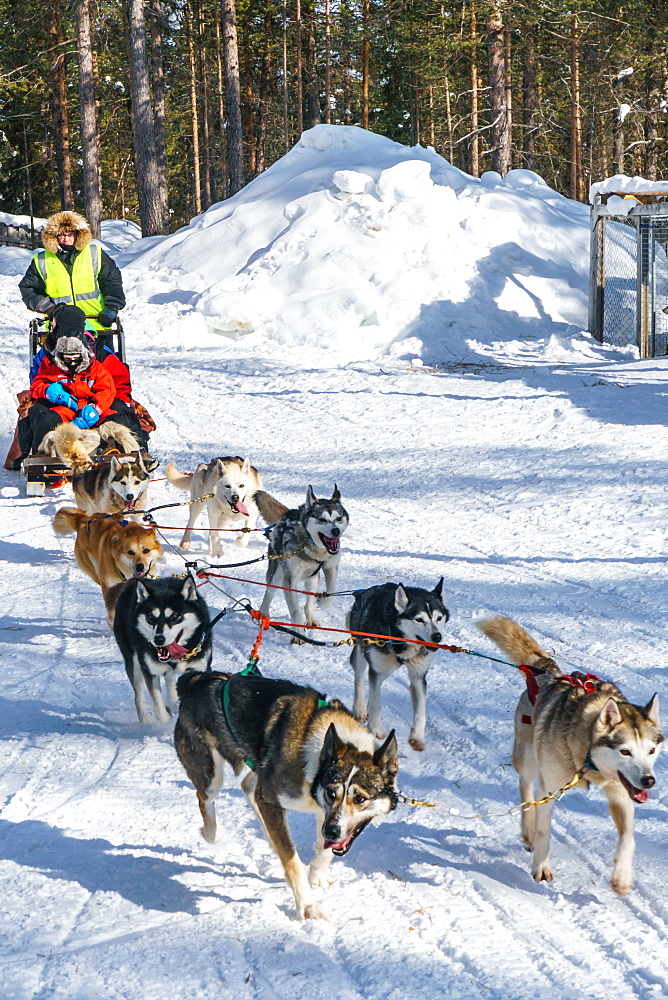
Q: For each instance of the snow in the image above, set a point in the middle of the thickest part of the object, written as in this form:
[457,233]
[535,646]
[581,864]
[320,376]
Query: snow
[491,442]
[624,183]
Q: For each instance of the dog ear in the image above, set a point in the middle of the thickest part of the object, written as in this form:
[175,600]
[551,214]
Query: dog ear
[386,757]
[439,591]
[188,590]
[332,747]
[652,710]
[400,598]
[610,715]
[220,466]
[310,497]
[336,496]
[141,591]
[115,464]
[246,467]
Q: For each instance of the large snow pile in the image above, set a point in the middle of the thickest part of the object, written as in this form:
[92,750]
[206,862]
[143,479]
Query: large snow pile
[359,246]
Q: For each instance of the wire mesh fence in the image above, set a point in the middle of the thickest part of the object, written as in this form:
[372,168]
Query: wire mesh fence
[629,278]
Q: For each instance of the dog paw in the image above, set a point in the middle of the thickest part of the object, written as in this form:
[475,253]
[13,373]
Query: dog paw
[416,743]
[542,873]
[621,883]
[297,641]
[321,881]
[313,912]
[361,716]
[211,836]
[185,546]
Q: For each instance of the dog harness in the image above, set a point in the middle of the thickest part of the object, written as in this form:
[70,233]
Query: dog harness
[588,682]
[250,670]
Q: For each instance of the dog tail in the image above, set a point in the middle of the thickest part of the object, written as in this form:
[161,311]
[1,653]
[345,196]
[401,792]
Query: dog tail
[114,433]
[516,643]
[67,444]
[176,478]
[271,509]
[68,520]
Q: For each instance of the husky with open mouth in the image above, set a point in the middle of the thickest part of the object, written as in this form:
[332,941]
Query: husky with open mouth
[162,628]
[565,722]
[233,481]
[304,753]
[302,544]
[117,488]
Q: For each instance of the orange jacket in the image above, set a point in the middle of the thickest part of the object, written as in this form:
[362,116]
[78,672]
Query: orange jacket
[94,385]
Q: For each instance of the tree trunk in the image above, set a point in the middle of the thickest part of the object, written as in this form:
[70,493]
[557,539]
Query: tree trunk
[151,209]
[251,139]
[312,88]
[497,92]
[328,63]
[194,114]
[286,120]
[89,146]
[266,75]
[300,79]
[475,84]
[530,96]
[207,131]
[366,45]
[577,178]
[508,81]
[61,126]
[235,149]
[158,81]
[221,104]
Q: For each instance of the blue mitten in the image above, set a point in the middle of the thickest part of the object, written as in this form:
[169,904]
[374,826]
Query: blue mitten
[88,417]
[59,396]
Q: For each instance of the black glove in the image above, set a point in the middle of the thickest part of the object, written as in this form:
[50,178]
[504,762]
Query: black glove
[107,317]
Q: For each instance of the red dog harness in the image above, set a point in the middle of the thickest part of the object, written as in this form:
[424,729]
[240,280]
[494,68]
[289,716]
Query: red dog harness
[588,682]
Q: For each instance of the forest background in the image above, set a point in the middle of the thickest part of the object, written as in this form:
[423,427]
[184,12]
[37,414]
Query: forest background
[152,111]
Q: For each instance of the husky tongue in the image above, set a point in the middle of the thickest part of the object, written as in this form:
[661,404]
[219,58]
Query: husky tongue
[637,794]
[176,651]
[129,504]
[339,846]
[240,508]
[330,542]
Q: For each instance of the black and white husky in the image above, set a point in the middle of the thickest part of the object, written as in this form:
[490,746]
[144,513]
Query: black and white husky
[302,543]
[407,613]
[157,624]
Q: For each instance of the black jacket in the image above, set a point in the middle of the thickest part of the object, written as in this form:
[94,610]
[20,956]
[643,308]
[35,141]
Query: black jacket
[33,288]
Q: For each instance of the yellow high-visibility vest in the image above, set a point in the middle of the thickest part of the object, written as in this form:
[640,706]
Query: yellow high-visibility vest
[80,288]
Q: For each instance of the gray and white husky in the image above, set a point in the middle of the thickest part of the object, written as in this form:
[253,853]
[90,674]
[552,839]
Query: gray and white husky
[407,613]
[118,487]
[566,722]
[302,544]
[233,481]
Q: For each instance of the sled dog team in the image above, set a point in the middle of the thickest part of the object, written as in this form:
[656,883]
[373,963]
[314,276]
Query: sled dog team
[303,751]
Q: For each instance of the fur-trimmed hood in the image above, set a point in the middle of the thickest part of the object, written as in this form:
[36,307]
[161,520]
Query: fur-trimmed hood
[61,221]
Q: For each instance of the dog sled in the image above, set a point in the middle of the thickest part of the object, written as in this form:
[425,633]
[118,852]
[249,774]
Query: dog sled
[43,471]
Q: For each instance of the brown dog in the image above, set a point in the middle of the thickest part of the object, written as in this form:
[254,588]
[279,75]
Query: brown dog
[109,549]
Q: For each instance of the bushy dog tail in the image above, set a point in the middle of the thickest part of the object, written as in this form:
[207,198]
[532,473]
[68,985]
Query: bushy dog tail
[114,433]
[271,509]
[68,520]
[516,643]
[178,479]
[68,443]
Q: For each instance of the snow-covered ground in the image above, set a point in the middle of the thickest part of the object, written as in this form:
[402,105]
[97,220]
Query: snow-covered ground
[508,453]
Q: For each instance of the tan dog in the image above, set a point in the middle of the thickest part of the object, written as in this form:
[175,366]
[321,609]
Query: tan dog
[109,549]
[75,447]
[565,723]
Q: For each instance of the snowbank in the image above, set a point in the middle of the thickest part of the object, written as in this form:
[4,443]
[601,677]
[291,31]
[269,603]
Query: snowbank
[358,246]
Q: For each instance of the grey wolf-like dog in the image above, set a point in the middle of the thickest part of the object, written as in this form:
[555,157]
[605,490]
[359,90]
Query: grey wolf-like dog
[577,721]
[302,544]
[404,613]
[233,481]
[306,754]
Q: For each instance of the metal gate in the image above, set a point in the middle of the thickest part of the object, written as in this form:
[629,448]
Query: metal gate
[628,288]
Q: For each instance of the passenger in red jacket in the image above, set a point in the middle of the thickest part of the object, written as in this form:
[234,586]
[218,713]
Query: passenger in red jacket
[73,386]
